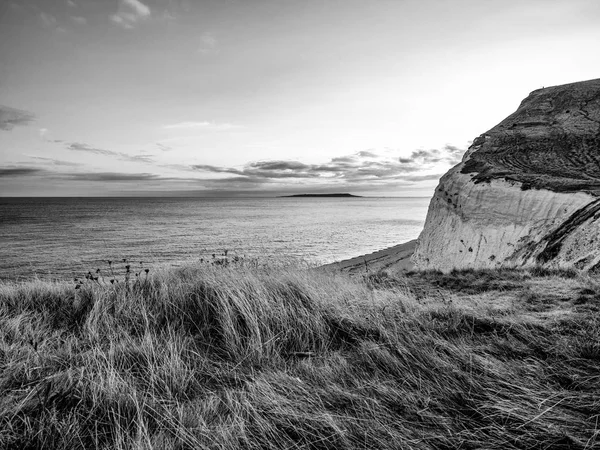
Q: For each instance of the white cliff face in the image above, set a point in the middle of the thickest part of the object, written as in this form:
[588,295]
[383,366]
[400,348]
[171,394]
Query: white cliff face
[488,215]
[491,225]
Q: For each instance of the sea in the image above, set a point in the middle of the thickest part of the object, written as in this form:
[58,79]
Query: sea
[62,238]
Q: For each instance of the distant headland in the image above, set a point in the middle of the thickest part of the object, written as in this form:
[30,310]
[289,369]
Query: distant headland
[321,195]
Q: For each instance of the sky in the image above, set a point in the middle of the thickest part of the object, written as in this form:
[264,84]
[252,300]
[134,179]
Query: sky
[269,97]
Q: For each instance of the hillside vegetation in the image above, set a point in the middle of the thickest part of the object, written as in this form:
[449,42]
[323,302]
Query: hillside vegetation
[231,357]
[550,142]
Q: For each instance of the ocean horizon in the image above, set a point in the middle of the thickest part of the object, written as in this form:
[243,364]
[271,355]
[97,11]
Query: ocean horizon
[64,237]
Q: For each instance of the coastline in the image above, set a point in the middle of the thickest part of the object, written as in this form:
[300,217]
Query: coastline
[395,258]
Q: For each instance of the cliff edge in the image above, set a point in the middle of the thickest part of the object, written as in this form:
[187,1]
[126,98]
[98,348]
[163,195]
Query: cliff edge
[527,192]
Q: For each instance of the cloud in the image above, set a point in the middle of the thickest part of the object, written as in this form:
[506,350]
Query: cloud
[48,20]
[198,126]
[208,44]
[361,167]
[137,158]
[79,20]
[18,171]
[103,177]
[163,147]
[455,154]
[168,16]
[364,170]
[112,176]
[433,176]
[77,146]
[216,169]
[80,147]
[53,162]
[21,171]
[357,172]
[264,170]
[71,3]
[130,12]
[447,154]
[281,165]
[343,159]
[366,154]
[11,117]
[137,7]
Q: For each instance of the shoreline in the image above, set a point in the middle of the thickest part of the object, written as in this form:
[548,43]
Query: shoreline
[395,258]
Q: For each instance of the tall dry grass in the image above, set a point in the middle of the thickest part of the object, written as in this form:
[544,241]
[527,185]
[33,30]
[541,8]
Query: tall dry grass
[234,357]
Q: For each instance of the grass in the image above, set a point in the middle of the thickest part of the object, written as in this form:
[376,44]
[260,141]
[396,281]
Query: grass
[228,357]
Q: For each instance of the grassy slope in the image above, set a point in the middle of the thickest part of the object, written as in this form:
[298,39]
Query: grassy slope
[221,357]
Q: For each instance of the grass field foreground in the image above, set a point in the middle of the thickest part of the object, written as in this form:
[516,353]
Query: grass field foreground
[208,357]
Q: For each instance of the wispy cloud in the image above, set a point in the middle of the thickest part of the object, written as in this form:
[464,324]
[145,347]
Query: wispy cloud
[77,146]
[18,171]
[52,161]
[145,158]
[366,154]
[130,13]
[11,117]
[81,147]
[163,147]
[449,153]
[71,3]
[107,177]
[24,170]
[208,44]
[78,175]
[189,125]
[48,20]
[79,20]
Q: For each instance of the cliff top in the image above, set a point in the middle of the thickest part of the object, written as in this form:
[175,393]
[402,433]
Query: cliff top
[552,141]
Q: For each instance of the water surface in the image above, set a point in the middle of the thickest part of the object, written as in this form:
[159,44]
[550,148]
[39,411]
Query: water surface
[63,237]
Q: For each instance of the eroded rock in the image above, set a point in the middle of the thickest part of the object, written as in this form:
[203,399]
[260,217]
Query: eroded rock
[527,192]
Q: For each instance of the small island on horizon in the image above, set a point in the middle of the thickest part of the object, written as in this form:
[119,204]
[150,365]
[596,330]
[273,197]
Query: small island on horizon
[322,195]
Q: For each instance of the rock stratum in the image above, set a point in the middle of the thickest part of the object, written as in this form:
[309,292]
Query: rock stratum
[526,193]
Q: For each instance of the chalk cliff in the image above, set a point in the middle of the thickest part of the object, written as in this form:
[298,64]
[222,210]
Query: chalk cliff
[527,192]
